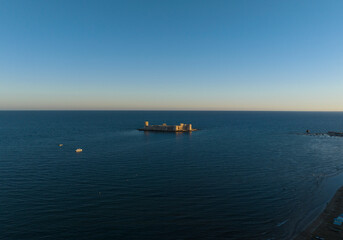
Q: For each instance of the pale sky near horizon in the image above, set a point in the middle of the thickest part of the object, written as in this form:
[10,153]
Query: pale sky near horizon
[171,55]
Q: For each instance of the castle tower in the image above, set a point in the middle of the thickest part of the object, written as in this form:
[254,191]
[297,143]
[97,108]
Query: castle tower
[146,124]
[189,127]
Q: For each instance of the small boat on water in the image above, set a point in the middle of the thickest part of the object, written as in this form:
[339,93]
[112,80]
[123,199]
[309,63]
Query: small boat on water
[335,134]
[78,150]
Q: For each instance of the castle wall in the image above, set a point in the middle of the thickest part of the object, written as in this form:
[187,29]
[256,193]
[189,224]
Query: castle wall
[172,128]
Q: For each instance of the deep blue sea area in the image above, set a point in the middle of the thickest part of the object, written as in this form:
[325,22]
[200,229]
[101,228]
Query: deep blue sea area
[244,175]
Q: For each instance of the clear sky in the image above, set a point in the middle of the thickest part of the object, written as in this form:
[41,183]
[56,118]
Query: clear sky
[172,54]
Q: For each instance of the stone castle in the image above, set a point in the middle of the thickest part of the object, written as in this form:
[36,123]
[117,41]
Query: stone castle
[168,128]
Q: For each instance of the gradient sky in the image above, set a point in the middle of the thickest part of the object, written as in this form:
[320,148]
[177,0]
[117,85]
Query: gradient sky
[170,55]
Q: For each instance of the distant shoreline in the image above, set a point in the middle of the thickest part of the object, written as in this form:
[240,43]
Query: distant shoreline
[323,226]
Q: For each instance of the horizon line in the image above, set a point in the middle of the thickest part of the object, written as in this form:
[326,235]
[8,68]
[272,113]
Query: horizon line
[157,110]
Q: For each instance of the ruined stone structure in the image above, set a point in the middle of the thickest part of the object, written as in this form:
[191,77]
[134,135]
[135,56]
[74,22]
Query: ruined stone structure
[168,128]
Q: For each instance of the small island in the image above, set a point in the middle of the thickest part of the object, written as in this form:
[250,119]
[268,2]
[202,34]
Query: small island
[168,128]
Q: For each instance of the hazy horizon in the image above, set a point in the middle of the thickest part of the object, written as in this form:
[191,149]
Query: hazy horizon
[171,55]
[156,110]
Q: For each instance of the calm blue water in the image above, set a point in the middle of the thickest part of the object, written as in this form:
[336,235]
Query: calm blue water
[245,175]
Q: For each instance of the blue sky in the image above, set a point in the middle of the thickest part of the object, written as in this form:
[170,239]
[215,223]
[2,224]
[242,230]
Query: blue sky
[172,55]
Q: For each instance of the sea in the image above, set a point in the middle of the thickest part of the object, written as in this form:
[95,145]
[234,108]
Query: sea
[243,175]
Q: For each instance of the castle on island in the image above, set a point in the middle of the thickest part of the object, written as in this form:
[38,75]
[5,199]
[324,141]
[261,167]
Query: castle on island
[168,128]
